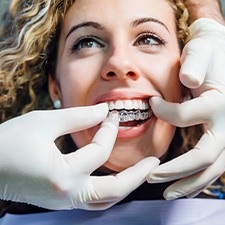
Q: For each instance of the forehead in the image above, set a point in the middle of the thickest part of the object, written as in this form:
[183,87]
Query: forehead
[118,11]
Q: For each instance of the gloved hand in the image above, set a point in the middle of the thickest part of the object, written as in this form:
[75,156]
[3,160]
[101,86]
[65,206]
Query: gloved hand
[203,70]
[33,170]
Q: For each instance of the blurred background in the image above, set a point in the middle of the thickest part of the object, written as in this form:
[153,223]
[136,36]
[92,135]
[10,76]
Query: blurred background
[5,3]
[3,6]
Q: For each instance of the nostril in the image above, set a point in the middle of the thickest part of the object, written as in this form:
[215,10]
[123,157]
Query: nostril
[132,75]
[111,74]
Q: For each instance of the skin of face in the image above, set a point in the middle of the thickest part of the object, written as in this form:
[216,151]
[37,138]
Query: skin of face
[120,49]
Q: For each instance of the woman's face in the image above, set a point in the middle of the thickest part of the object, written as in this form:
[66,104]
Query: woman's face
[121,52]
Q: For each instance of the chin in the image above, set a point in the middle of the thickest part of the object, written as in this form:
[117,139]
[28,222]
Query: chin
[118,162]
[115,166]
[125,155]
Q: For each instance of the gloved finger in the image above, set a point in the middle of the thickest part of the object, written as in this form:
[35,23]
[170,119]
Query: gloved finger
[177,190]
[189,113]
[205,153]
[194,184]
[69,120]
[113,188]
[197,192]
[195,59]
[206,191]
[95,154]
[99,205]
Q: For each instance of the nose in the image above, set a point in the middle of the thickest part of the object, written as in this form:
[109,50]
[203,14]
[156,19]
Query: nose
[120,65]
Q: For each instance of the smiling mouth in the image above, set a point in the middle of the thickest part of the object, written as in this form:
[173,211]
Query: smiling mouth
[131,112]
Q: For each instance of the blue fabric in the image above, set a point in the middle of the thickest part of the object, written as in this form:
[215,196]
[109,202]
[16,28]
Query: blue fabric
[154,212]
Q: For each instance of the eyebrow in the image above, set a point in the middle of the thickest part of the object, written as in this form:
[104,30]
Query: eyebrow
[85,24]
[148,19]
[100,27]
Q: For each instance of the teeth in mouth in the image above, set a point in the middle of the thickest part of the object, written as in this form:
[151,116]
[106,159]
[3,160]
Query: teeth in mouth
[130,110]
[126,116]
[128,104]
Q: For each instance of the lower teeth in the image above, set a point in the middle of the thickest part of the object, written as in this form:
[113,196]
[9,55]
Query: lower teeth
[126,116]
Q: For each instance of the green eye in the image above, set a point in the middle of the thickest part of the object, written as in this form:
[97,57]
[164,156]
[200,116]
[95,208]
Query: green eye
[85,43]
[89,43]
[148,41]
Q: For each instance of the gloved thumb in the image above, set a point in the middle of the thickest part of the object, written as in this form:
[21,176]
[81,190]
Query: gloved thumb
[69,120]
[180,114]
[193,68]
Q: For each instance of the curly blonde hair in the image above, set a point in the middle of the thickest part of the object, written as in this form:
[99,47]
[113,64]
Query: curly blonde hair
[26,43]
[28,51]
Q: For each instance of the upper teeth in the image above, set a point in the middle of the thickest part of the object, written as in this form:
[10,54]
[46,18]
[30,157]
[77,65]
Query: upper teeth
[128,104]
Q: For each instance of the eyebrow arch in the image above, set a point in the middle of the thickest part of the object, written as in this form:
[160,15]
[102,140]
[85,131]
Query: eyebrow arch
[85,24]
[148,19]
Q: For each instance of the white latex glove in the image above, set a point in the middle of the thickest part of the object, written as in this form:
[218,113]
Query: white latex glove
[33,170]
[203,69]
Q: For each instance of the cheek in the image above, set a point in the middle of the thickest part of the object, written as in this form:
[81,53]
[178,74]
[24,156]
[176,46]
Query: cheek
[76,80]
[170,84]
[164,74]
[84,137]
[162,137]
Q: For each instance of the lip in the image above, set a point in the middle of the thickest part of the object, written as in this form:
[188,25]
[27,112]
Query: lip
[137,131]
[120,95]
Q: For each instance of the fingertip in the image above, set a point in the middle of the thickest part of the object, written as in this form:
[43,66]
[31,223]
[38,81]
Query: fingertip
[113,118]
[152,179]
[151,160]
[101,109]
[147,164]
[132,177]
[154,160]
[164,110]
[156,103]
[190,80]
[169,196]
[157,176]
[107,133]
[155,100]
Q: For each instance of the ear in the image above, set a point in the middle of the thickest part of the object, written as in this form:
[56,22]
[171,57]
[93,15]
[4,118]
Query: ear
[54,88]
